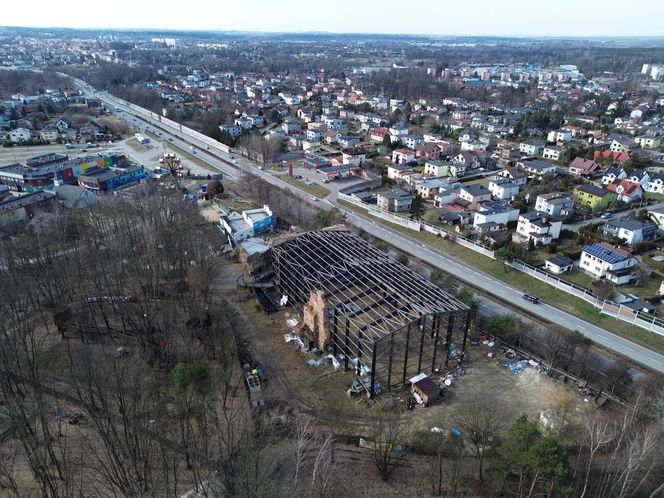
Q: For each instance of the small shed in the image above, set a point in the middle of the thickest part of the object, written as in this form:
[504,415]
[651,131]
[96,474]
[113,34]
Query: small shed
[427,390]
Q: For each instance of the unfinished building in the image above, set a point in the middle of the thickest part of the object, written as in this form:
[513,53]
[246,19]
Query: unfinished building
[389,322]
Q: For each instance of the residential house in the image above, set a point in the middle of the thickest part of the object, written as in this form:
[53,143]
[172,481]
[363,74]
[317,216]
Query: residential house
[583,167]
[626,190]
[314,134]
[429,150]
[539,227]
[437,168]
[656,184]
[346,141]
[630,230]
[395,171]
[614,173]
[49,133]
[353,156]
[403,156]
[395,200]
[503,189]
[593,197]
[91,131]
[515,173]
[427,189]
[559,136]
[532,147]
[468,159]
[377,135]
[554,203]
[397,132]
[657,215]
[62,124]
[232,130]
[471,195]
[412,141]
[537,168]
[498,212]
[602,260]
[621,143]
[290,126]
[559,264]
[446,195]
[649,141]
[20,135]
[553,153]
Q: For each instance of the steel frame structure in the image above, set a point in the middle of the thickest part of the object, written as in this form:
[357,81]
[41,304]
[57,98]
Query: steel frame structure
[388,321]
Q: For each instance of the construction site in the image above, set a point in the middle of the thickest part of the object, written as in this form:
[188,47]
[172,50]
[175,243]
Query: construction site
[374,315]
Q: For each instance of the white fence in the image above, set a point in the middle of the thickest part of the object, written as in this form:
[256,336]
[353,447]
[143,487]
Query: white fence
[642,320]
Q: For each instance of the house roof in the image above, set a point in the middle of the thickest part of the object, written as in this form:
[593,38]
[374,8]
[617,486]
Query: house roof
[607,253]
[628,187]
[560,260]
[584,165]
[592,190]
[630,224]
[476,190]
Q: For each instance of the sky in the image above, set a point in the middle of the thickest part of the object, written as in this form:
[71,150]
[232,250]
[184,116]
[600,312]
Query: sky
[431,17]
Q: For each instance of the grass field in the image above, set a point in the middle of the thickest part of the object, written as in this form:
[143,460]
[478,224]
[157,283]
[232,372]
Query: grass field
[526,283]
[316,190]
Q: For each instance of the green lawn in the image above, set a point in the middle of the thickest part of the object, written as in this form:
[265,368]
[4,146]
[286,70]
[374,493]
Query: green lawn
[656,196]
[316,190]
[526,283]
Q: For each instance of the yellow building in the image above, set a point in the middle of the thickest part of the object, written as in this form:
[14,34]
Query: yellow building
[593,197]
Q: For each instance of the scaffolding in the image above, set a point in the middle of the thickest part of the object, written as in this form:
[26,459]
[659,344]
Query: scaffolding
[389,322]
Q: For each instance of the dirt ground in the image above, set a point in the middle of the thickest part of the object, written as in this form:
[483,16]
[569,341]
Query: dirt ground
[320,390]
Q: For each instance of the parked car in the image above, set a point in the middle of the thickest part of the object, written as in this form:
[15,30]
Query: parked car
[533,299]
[606,216]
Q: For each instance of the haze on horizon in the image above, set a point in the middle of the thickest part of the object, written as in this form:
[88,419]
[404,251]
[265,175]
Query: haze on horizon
[609,18]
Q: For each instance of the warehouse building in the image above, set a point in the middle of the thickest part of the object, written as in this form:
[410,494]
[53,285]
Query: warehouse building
[389,322]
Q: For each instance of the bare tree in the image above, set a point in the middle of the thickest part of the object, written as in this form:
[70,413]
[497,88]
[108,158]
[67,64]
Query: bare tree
[388,433]
[481,421]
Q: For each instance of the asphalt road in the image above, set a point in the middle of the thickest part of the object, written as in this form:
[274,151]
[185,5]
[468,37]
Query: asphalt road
[460,271]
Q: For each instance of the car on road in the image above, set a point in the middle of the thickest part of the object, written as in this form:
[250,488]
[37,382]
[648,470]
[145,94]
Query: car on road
[170,139]
[606,216]
[313,198]
[532,298]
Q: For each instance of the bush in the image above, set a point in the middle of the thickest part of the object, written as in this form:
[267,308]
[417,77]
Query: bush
[552,248]
[656,299]
[403,259]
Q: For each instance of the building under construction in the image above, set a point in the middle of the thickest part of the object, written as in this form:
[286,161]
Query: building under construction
[389,322]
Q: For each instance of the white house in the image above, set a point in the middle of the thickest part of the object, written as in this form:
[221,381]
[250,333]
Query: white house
[394,171]
[532,147]
[403,156]
[554,203]
[539,227]
[20,135]
[603,260]
[630,230]
[559,264]
[503,189]
[494,212]
[553,153]
[559,136]
[353,156]
[232,130]
[395,200]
